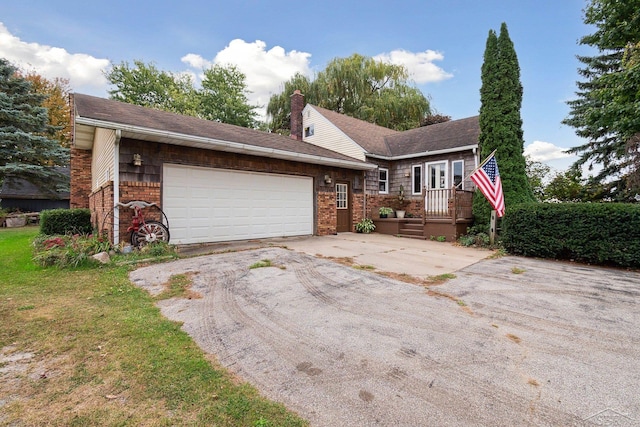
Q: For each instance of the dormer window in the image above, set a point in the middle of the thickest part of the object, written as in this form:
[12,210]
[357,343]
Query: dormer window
[308,131]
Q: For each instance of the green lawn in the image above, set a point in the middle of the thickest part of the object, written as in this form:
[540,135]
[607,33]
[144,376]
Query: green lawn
[86,347]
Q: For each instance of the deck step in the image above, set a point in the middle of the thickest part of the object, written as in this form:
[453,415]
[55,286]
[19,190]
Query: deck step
[412,236]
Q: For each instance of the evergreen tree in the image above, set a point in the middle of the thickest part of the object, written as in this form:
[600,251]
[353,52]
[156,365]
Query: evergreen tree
[26,150]
[360,87]
[606,111]
[501,123]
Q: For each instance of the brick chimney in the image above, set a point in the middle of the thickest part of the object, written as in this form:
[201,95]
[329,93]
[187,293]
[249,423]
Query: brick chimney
[297,104]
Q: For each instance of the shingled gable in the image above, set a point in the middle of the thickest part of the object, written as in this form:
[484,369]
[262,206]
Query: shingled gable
[381,142]
[143,123]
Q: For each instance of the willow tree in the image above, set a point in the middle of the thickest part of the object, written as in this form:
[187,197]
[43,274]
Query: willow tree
[501,123]
[357,86]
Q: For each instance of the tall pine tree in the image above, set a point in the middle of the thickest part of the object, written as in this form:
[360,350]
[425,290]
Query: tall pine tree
[26,150]
[606,111]
[501,123]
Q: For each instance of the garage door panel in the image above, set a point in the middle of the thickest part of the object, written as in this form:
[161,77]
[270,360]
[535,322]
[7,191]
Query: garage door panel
[209,205]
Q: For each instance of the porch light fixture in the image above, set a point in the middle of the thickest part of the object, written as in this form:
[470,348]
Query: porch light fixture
[137,160]
[407,174]
[327,179]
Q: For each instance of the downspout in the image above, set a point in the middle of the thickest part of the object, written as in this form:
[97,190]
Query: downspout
[364,194]
[116,188]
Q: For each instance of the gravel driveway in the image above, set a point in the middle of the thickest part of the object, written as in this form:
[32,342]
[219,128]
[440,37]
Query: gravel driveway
[510,341]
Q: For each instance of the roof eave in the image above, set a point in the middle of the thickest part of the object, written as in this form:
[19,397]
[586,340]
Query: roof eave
[221,145]
[424,153]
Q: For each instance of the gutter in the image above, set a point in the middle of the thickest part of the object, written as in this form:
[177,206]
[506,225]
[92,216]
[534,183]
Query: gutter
[424,153]
[116,188]
[235,147]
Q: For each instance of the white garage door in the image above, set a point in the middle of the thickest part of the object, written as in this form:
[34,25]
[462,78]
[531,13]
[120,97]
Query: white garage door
[217,205]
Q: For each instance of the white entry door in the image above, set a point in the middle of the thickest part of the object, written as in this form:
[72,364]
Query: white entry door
[217,205]
[436,199]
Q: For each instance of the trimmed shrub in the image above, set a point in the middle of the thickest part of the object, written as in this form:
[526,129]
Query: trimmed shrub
[595,233]
[65,221]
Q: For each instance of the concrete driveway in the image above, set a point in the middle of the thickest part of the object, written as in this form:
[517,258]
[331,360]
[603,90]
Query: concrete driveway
[509,341]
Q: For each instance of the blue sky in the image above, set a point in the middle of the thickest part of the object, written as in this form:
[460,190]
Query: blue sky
[440,41]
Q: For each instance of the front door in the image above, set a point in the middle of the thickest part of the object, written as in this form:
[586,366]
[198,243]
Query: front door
[436,199]
[436,176]
[343,207]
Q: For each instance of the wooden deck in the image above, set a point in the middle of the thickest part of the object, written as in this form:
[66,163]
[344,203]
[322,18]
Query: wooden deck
[447,213]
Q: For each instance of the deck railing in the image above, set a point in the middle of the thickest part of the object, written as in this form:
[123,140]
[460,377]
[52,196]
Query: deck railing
[448,203]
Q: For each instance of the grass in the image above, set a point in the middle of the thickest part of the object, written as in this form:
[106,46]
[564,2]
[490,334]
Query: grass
[92,349]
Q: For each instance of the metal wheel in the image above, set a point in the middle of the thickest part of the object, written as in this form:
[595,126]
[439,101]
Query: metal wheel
[149,232]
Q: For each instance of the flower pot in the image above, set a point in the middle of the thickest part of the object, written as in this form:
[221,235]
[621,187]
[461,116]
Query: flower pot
[400,214]
[16,221]
[383,215]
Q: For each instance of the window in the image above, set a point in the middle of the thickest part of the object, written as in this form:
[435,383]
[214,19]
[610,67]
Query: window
[308,131]
[416,187]
[458,173]
[341,196]
[383,181]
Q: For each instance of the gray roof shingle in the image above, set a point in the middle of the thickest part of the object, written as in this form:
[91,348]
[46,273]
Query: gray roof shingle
[381,141]
[123,114]
[441,136]
[369,136]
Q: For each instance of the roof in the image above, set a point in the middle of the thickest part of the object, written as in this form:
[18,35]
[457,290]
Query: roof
[20,188]
[379,141]
[441,137]
[148,124]
[369,136]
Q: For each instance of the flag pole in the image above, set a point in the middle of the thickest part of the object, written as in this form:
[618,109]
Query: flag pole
[481,165]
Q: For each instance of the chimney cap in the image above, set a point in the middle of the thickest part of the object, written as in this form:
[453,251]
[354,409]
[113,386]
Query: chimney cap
[297,92]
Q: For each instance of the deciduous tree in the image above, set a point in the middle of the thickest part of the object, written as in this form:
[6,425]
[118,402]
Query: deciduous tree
[357,86]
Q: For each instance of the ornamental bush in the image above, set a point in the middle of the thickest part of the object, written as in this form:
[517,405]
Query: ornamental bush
[595,233]
[65,221]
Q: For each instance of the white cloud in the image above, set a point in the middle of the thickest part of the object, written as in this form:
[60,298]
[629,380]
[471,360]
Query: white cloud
[265,70]
[420,65]
[85,72]
[541,151]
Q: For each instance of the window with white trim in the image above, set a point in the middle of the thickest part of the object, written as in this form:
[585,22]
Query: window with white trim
[458,173]
[341,196]
[308,131]
[416,179]
[383,181]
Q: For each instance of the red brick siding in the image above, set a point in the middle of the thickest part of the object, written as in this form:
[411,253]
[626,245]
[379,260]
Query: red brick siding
[326,202]
[80,178]
[101,206]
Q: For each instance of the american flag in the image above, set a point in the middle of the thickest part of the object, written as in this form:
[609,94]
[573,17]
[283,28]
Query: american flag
[487,178]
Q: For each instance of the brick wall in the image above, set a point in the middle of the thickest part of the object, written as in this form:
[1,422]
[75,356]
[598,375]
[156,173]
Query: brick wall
[80,184]
[145,182]
[101,206]
[327,216]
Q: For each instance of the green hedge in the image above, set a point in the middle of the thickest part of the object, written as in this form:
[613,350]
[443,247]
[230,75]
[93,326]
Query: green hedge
[595,233]
[65,221]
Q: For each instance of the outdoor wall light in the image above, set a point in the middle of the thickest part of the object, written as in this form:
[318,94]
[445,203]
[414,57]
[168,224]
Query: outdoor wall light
[327,179]
[137,160]
[407,174]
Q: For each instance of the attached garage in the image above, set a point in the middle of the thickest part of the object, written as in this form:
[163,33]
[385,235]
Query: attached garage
[217,205]
[215,182]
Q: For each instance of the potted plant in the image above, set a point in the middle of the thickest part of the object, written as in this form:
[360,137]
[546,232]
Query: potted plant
[385,211]
[401,202]
[365,226]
